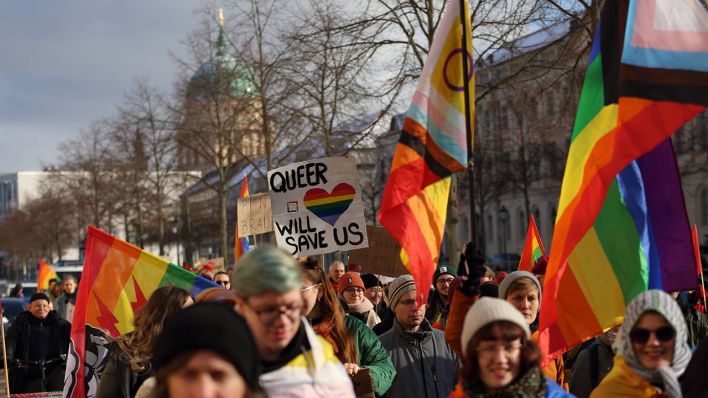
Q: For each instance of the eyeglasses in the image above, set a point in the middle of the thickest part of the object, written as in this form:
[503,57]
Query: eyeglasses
[223,283]
[375,289]
[491,350]
[354,290]
[445,281]
[270,315]
[304,289]
[641,335]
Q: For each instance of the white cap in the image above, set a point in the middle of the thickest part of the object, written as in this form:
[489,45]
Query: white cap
[487,310]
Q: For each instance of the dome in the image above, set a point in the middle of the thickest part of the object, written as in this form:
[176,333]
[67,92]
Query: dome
[222,66]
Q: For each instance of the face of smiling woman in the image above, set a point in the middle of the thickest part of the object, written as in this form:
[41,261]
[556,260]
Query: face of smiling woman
[653,341]
[498,362]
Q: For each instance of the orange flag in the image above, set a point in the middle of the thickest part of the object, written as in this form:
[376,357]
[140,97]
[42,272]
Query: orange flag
[46,273]
[533,249]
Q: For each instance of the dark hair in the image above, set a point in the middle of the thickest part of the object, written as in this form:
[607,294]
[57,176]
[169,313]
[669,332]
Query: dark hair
[330,309]
[508,331]
[221,273]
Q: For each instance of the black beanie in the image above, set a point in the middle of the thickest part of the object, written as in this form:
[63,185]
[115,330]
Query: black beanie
[370,280]
[39,296]
[210,326]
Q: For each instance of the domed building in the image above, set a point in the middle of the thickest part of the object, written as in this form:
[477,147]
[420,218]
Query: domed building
[221,119]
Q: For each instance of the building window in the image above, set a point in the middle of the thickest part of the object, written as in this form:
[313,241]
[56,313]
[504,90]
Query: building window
[522,223]
[704,207]
[537,217]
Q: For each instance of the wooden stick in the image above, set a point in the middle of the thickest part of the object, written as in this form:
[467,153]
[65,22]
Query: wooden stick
[4,361]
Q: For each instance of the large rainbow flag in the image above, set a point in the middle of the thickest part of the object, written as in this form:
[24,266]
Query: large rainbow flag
[622,226]
[432,146]
[241,244]
[46,273]
[117,279]
[533,248]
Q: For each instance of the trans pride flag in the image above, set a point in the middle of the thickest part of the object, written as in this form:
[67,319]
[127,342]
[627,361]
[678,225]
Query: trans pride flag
[432,146]
[622,226]
[533,249]
[117,279]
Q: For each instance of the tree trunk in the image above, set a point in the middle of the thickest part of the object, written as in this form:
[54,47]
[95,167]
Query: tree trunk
[223,219]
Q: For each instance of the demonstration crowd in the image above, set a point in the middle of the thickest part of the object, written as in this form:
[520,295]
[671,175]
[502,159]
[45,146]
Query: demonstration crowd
[281,327]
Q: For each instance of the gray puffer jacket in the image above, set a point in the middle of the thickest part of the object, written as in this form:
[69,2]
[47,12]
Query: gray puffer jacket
[425,364]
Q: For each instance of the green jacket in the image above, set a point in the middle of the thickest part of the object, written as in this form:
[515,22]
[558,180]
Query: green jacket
[372,355]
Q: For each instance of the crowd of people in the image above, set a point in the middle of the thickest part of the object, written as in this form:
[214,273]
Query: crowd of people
[284,327]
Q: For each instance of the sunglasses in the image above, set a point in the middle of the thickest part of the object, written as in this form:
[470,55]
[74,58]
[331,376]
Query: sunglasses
[223,283]
[641,336]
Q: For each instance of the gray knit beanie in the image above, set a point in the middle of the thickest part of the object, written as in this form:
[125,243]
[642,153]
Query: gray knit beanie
[513,277]
[486,311]
[400,286]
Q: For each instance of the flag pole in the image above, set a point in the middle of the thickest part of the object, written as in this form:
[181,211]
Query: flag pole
[4,361]
[468,122]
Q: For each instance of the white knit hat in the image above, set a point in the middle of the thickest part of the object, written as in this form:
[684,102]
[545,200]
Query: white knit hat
[513,277]
[400,286]
[487,310]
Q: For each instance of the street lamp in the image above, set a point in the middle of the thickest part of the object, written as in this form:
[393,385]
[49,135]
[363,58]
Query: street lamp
[176,230]
[503,221]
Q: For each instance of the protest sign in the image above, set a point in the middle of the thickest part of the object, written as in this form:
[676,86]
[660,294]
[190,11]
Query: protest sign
[363,384]
[254,215]
[317,206]
[382,257]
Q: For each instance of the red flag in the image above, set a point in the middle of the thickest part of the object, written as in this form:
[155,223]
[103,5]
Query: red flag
[697,250]
[533,249]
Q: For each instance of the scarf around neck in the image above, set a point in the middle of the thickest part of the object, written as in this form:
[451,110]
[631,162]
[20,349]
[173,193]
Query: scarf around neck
[664,304]
[530,385]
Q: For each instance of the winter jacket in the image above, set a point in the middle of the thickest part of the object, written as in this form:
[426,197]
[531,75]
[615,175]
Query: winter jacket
[622,381]
[19,344]
[553,390]
[64,306]
[425,364]
[315,373]
[118,379]
[371,355]
[459,306]
[591,366]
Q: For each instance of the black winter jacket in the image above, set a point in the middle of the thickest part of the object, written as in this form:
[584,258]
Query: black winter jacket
[19,344]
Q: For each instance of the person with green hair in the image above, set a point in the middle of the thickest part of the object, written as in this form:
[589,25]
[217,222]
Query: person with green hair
[295,360]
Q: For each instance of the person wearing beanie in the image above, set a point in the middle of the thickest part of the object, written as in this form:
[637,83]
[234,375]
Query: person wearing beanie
[268,285]
[351,288]
[651,350]
[523,290]
[37,334]
[500,359]
[374,292]
[217,358]
[439,297]
[425,364]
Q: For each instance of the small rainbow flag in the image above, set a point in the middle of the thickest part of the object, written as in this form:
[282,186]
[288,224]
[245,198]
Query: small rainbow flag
[432,146]
[117,280]
[46,273]
[241,244]
[533,249]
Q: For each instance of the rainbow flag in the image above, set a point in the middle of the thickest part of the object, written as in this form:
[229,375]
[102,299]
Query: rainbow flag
[622,226]
[241,244]
[432,146]
[117,279]
[46,273]
[533,249]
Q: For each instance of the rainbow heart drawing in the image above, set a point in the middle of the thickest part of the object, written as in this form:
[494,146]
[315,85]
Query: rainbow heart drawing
[329,206]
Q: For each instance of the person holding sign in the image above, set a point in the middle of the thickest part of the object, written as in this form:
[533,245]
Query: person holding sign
[354,343]
[351,288]
[268,286]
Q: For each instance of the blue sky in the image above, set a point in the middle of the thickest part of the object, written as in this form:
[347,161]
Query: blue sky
[65,63]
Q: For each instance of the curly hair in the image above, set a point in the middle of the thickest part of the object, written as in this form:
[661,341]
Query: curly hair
[331,309]
[136,348]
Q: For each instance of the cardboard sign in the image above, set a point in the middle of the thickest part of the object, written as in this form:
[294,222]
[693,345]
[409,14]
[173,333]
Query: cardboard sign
[382,257]
[254,215]
[317,207]
[363,384]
